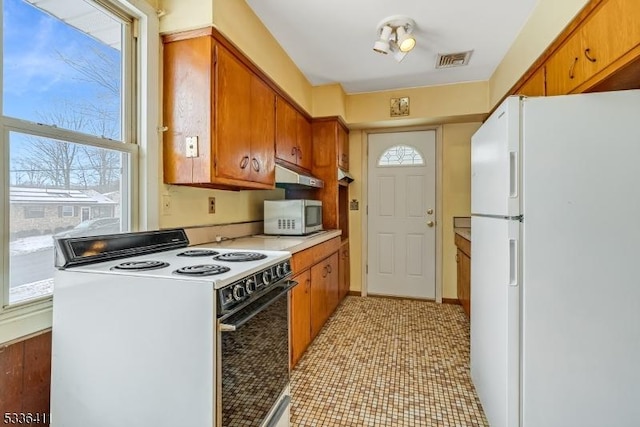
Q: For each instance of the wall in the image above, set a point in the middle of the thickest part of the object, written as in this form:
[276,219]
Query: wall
[25,372]
[456,190]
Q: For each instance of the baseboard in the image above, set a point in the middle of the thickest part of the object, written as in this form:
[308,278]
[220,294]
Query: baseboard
[455,301]
[355,293]
[400,297]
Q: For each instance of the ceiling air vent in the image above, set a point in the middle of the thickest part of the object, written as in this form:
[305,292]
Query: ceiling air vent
[449,60]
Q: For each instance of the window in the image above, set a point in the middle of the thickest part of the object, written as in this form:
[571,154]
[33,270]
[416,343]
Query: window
[66,211]
[69,69]
[401,155]
[34,212]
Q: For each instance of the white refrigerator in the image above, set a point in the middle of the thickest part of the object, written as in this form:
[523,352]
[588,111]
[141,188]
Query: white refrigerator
[555,255]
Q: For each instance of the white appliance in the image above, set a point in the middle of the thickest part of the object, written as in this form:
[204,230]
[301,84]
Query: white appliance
[555,294]
[293,217]
[147,332]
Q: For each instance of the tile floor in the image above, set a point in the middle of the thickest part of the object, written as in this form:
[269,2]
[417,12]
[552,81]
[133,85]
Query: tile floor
[387,362]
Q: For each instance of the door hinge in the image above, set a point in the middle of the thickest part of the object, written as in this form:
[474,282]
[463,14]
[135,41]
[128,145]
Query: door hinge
[366,268]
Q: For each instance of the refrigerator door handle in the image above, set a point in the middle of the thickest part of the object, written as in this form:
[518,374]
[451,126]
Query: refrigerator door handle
[513,174]
[513,262]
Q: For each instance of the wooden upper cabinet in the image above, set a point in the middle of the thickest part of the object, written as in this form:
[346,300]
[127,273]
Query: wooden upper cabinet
[188,99]
[233,99]
[610,32]
[343,149]
[535,85]
[601,50]
[263,132]
[304,142]
[293,135]
[223,110]
[286,132]
[564,69]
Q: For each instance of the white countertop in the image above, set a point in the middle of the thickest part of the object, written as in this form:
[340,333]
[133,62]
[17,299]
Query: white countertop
[291,244]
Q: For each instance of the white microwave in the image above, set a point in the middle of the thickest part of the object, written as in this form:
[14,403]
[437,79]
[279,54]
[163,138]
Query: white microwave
[292,217]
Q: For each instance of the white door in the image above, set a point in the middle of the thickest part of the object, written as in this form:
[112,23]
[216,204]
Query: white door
[401,220]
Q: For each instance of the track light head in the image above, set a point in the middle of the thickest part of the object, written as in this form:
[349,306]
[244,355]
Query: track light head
[382,44]
[394,35]
[405,41]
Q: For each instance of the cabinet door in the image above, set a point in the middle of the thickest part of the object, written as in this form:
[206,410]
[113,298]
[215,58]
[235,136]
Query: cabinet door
[233,117]
[300,320]
[286,131]
[610,33]
[318,297]
[535,85]
[262,132]
[344,270]
[304,142]
[332,283]
[343,149]
[464,281]
[565,68]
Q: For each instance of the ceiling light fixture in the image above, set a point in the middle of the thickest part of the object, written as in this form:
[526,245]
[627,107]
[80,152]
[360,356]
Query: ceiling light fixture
[394,35]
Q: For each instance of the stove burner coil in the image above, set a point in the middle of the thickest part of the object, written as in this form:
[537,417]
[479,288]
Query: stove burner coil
[198,253]
[140,265]
[240,256]
[202,270]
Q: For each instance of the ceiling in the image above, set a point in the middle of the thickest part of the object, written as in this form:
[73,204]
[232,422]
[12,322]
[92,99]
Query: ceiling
[331,41]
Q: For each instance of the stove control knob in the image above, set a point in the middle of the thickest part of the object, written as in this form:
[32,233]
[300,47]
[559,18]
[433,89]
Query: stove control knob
[250,286]
[287,267]
[280,270]
[266,277]
[239,292]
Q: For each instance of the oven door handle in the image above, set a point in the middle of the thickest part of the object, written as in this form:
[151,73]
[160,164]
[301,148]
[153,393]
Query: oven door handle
[234,320]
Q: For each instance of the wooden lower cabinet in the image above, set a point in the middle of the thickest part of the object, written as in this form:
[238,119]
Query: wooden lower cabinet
[315,298]
[300,316]
[463,260]
[324,292]
[345,271]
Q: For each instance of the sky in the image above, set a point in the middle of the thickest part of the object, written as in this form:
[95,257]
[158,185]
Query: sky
[35,80]
[39,86]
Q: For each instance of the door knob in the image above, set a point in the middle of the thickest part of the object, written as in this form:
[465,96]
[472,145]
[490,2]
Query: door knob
[430,223]
[429,211]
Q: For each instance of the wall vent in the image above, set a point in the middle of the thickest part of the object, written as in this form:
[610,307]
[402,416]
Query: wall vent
[449,60]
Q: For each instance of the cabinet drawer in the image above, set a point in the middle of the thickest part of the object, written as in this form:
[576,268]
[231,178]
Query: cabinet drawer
[463,244]
[304,259]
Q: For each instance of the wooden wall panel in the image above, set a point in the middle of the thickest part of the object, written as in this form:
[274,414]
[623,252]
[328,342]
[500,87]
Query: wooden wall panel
[25,377]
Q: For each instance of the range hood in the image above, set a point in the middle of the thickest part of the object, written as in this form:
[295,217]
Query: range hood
[287,178]
[344,176]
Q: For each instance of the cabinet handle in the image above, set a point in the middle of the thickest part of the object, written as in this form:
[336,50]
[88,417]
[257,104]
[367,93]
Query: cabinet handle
[573,66]
[244,162]
[294,151]
[299,152]
[329,268]
[256,165]
[324,272]
[586,53]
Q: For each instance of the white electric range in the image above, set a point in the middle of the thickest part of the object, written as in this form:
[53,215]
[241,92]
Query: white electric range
[147,331]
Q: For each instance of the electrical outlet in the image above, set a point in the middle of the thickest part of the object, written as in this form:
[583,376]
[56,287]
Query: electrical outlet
[166,204]
[212,205]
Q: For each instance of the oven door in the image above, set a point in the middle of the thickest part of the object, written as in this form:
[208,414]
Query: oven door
[254,359]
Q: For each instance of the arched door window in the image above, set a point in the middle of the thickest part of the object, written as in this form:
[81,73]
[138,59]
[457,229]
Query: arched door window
[401,155]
